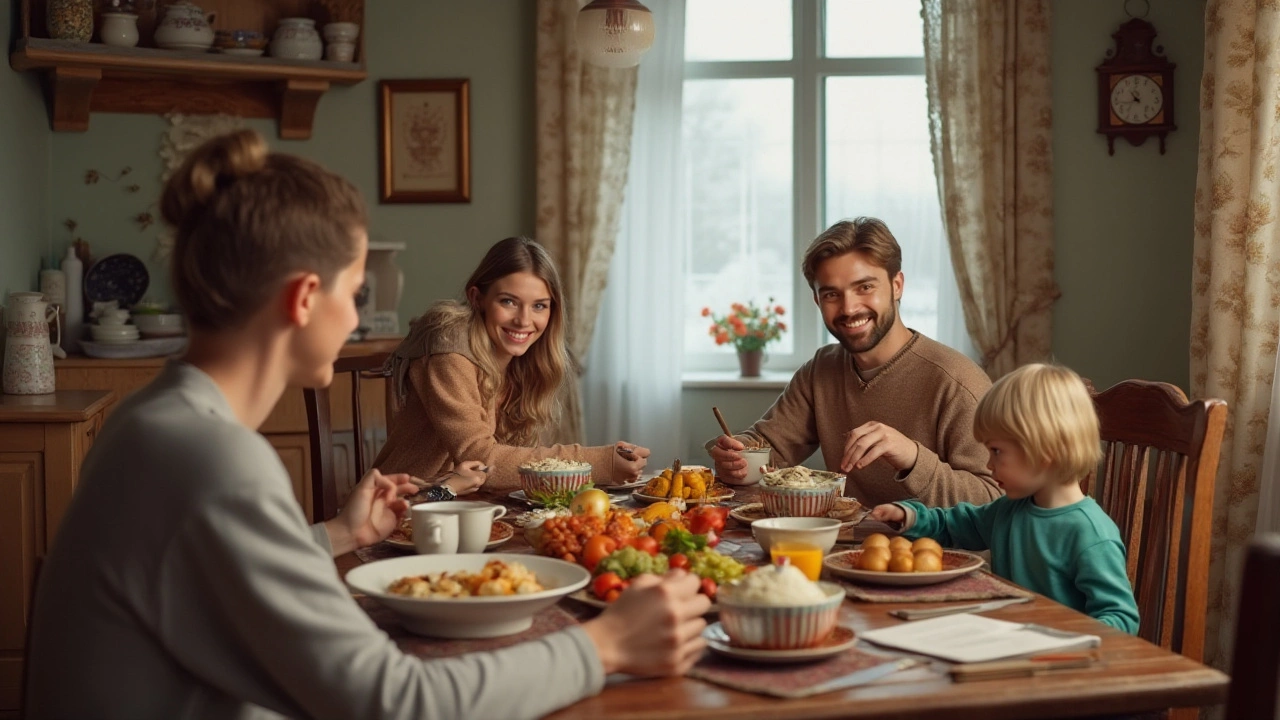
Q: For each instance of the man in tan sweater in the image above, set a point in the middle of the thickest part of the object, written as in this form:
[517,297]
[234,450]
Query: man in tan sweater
[888,406]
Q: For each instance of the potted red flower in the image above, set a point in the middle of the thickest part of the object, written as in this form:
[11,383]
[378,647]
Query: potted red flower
[750,328]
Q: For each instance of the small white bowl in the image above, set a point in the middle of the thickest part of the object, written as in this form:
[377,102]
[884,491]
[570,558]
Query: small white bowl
[469,617]
[785,627]
[105,333]
[166,325]
[818,531]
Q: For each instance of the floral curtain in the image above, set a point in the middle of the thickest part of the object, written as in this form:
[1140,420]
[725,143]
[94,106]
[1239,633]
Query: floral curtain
[1235,320]
[584,116]
[987,71]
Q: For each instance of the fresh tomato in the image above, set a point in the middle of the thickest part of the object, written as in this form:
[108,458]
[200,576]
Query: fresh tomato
[612,595]
[597,548]
[705,518]
[606,583]
[644,543]
[679,561]
[708,588]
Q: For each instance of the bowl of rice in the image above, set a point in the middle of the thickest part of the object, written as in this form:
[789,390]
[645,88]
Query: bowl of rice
[778,608]
[553,475]
[800,492]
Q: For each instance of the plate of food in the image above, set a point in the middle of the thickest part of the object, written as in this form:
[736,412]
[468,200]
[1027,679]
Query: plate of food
[925,563]
[844,509]
[474,595]
[402,537]
[695,484]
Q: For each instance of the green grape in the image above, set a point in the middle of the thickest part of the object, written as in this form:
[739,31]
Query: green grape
[711,564]
[630,562]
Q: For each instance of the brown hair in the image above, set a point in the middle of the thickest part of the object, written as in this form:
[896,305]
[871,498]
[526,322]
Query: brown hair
[1047,412]
[245,218]
[865,235]
[531,385]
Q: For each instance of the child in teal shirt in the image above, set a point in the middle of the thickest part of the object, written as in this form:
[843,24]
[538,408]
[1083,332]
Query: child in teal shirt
[1040,427]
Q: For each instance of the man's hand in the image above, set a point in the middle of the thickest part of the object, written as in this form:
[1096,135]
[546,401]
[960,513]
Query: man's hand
[372,511]
[876,441]
[731,467]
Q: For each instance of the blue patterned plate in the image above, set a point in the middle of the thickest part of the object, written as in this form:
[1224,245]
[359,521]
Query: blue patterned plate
[121,277]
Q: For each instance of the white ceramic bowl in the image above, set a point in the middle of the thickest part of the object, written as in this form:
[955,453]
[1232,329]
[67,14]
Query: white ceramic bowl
[166,325]
[475,617]
[817,531]
[114,333]
[553,480]
[786,627]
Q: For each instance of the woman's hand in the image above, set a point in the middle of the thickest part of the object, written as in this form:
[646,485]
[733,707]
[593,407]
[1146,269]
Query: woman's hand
[889,513]
[467,477]
[628,461]
[372,511]
[654,627]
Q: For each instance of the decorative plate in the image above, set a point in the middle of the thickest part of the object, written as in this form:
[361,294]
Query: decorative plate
[121,277]
[717,493]
[840,639]
[845,509]
[954,564]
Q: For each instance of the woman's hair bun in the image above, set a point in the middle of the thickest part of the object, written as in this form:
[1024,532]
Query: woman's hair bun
[210,168]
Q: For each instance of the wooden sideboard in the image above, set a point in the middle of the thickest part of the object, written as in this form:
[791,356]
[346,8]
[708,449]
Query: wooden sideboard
[285,428]
[43,441]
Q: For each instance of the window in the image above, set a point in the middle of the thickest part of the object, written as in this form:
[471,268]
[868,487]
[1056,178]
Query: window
[797,115]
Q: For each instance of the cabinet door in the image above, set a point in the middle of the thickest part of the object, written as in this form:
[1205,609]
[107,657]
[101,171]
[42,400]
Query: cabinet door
[20,546]
[295,452]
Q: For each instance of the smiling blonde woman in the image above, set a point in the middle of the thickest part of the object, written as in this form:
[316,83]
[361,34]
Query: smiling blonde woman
[480,380]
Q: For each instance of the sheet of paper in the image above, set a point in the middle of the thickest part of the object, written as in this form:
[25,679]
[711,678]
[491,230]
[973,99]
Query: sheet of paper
[968,638]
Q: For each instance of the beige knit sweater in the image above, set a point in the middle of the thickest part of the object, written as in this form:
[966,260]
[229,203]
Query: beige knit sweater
[928,392]
[444,422]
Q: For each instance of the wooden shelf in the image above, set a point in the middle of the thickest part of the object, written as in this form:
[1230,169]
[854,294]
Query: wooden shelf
[90,77]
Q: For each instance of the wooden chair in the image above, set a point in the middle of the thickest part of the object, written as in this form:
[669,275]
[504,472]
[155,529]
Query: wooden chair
[1156,482]
[324,485]
[1256,664]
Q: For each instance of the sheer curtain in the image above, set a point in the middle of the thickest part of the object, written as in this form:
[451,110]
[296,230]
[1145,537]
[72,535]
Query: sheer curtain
[632,384]
[1269,478]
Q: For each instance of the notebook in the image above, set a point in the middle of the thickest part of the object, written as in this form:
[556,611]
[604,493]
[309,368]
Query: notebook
[966,638]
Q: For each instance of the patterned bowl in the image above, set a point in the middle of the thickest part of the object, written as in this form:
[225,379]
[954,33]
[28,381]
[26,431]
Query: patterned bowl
[798,502]
[532,481]
[785,627]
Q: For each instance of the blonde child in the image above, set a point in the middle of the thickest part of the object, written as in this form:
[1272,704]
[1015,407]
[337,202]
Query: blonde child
[1039,426]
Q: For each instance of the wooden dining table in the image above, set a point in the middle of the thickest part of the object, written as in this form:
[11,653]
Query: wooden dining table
[1130,676]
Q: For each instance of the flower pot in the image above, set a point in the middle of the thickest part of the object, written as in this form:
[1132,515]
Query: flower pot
[749,362]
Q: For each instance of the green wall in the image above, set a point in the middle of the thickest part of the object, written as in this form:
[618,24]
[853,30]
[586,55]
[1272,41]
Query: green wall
[1123,222]
[489,42]
[24,173]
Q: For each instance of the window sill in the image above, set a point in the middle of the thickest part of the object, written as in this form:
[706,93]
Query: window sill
[731,380]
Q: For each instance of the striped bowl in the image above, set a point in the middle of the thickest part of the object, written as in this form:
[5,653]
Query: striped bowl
[798,502]
[772,627]
[553,480]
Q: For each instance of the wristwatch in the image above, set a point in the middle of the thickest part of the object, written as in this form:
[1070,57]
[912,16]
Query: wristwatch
[440,492]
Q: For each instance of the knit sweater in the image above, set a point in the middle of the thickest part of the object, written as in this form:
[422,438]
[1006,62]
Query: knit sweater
[1072,554]
[444,422]
[927,391]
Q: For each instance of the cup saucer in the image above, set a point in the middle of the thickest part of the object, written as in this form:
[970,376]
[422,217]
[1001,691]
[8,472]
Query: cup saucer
[840,639]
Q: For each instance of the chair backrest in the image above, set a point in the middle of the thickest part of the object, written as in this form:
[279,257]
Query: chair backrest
[324,484]
[1156,482]
[1256,664]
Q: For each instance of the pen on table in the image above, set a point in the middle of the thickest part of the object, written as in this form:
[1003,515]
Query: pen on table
[1026,667]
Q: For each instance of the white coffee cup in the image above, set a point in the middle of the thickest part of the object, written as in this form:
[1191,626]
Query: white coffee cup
[434,532]
[475,521]
[756,458]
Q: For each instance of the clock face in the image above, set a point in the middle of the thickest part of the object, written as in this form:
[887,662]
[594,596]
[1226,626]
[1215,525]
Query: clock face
[1136,99]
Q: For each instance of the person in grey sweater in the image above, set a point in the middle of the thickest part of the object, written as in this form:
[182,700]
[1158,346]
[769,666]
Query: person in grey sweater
[185,582]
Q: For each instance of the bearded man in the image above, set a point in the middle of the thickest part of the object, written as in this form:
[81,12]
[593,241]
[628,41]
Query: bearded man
[887,406]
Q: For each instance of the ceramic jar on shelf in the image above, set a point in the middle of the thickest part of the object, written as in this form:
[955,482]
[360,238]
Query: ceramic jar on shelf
[296,39]
[119,29]
[341,39]
[70,20]
[185,27]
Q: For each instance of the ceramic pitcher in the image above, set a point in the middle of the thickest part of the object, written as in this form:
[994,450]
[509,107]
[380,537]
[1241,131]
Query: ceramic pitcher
[28,353]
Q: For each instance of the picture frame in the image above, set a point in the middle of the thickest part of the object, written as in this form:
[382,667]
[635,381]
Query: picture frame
[424,141]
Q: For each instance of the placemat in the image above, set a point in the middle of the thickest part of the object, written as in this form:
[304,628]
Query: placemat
[553,619]
[785,681]
[980,585]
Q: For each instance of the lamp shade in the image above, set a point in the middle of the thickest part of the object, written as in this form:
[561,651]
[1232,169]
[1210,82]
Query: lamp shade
[614,33]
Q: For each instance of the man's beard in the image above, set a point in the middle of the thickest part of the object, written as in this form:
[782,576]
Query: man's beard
[880,326]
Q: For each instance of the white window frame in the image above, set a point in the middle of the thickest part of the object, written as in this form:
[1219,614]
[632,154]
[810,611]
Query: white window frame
[808,70]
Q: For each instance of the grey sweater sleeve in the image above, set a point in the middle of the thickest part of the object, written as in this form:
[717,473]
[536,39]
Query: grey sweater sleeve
[251,604]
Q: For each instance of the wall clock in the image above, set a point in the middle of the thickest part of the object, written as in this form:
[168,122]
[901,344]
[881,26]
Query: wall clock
[1135,87]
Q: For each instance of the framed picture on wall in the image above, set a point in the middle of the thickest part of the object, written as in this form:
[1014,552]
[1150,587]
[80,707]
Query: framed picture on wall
[424,141]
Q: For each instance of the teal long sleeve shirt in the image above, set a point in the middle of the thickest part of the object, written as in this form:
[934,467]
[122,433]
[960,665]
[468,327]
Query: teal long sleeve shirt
[1072,554]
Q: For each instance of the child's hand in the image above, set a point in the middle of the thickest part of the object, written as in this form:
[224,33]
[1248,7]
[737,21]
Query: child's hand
[889,513]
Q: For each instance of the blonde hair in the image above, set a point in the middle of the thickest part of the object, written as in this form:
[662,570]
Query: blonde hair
[244,219]
[1047,412]
[530,387]
[866,235]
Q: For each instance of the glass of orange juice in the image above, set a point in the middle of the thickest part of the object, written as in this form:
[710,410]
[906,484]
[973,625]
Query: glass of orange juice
[807,558]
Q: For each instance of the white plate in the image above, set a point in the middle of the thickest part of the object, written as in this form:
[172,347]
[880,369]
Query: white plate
[586,597]
[408,546]
[623,487]
[471,617]
[841,639]
[954,562]
[158,347]
[521,497]
[650,499]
